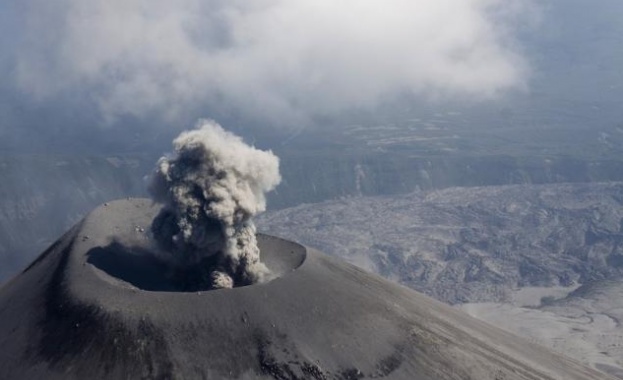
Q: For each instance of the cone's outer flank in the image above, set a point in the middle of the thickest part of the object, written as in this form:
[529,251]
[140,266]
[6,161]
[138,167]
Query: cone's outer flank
[98,304]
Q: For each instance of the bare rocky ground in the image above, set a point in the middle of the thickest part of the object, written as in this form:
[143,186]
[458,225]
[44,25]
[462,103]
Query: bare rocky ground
[101,304]
[497,249]
[586,324]
[544,261]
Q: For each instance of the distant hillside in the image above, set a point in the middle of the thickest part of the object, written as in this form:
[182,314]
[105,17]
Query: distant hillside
[43,195]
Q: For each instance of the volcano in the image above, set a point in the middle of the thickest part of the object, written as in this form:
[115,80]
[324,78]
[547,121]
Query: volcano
[100,303]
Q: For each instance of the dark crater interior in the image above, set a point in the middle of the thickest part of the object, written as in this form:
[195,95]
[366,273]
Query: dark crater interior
[141,268]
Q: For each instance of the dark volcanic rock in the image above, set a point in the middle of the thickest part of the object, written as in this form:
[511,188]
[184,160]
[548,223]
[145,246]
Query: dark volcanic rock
[99,305]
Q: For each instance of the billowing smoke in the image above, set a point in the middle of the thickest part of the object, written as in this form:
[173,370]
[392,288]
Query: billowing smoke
[272,60]
[211,187]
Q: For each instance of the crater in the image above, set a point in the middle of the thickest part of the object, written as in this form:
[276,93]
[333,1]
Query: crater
[140,267]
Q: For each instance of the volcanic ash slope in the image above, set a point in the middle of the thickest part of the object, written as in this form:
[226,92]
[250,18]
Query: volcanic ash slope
[98,304]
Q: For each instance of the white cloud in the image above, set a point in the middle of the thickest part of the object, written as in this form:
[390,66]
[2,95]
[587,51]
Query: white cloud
[267,58]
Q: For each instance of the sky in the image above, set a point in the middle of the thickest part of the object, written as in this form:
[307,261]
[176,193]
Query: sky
[98,64]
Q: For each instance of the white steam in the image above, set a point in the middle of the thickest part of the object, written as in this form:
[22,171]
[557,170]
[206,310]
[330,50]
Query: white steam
[211,188]
[279,59]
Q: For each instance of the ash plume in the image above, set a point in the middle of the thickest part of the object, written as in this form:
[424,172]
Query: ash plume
[210,188]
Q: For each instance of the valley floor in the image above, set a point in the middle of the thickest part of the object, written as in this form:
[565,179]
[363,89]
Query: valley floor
[542,261]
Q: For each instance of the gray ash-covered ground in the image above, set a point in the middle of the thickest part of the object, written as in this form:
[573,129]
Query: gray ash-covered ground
[83,310]
[471,244]
[508,254]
